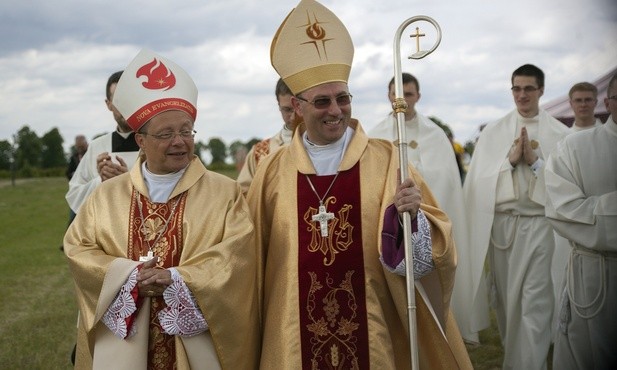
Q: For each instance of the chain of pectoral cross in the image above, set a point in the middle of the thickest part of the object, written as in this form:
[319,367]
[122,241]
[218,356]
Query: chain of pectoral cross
[150,253]
[322,216]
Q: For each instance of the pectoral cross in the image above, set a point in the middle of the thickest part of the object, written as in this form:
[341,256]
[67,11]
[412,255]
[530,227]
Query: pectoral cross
[147,257]
[322,217]
[417,36]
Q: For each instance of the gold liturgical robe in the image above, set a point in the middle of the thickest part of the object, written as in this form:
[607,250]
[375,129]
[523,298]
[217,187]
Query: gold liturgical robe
[281,226]
[217,263]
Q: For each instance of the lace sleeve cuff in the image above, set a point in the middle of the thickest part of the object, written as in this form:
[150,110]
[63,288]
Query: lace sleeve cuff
[120,313]
[182,315]
[423,251]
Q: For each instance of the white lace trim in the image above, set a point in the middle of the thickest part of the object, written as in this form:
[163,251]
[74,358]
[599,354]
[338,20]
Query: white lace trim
[182,316]
[122,307]
[422,251]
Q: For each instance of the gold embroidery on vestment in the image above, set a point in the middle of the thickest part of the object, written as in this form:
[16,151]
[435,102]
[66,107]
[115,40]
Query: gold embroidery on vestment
[333,327]
[339,232]
[155,223]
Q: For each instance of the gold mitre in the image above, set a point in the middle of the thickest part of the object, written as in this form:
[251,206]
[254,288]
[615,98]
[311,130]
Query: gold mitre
[311,47]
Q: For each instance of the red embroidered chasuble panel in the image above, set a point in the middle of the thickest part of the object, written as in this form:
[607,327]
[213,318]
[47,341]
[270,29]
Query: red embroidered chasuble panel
[164,238]
[333,319]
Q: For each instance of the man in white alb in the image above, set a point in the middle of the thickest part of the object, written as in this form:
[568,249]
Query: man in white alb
[581,190]
[505,197]
[107,156]
[583,101]
[432,154]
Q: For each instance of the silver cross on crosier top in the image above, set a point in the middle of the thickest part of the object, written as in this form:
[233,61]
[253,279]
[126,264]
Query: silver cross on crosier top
[323,217]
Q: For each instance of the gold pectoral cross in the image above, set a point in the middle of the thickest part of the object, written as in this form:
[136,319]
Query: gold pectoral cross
[323,217]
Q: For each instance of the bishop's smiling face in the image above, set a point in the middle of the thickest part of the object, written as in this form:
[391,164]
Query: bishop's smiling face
[324,125]
[167,155]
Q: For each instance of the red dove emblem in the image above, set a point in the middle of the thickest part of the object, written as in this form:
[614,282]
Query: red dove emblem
[158,76]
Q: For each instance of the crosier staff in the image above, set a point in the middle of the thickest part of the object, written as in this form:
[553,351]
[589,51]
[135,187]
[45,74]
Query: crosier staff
[400,106]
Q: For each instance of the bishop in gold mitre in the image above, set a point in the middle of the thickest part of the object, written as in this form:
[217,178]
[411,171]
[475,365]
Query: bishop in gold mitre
[326,212]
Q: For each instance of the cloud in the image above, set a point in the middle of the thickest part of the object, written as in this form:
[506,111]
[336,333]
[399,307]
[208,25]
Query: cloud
[56,57]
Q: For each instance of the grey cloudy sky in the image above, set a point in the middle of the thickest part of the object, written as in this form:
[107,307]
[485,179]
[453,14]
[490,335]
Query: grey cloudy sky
[55,57]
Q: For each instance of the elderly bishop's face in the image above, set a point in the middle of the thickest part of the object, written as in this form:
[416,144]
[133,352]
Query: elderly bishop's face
[167,141]
[326,111]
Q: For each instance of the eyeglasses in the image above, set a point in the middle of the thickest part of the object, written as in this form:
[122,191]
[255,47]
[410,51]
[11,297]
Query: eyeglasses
[584,101]
[324,103]
[166,136]
[526,89]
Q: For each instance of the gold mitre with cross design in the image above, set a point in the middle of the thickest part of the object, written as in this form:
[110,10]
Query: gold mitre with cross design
[311,47]
[150,85]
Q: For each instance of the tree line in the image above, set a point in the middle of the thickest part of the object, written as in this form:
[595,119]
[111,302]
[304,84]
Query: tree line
[32,156]
[29,155]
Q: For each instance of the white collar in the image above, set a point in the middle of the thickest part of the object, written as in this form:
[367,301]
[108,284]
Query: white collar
[160,186]
[124,134]
[327,158]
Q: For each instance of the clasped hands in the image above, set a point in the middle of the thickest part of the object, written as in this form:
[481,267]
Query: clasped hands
[521,150]
[107,168]
[151,280]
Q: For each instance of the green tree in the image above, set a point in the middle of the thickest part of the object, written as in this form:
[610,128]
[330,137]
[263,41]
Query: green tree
[6,152]
[52,152]
[443,126]
[235,147]
[469,147]
[199,148]
[253,141]
[238,151]
[218,150]
[29,148]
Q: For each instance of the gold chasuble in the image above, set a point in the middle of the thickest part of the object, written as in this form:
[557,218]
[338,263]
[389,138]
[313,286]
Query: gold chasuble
[328,303]
[208,240]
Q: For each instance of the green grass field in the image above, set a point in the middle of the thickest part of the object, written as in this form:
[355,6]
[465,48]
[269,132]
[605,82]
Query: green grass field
[37,310]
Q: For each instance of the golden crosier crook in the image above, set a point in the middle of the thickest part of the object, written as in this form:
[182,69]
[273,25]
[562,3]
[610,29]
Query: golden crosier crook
[400,107]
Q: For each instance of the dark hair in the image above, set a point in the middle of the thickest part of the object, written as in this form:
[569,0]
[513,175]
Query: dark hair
[113,79]
[583,86]
[407,78]
[531,71]
[281,89]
